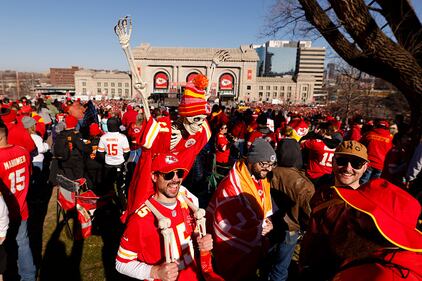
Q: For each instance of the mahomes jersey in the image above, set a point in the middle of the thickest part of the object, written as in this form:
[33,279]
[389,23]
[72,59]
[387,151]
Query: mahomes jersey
[142,240]
[15,174]
[319,159]
[114,144]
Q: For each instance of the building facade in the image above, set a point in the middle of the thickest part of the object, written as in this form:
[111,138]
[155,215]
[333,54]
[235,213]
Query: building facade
[310,61]
[63,76]
[167,70]
[103,84]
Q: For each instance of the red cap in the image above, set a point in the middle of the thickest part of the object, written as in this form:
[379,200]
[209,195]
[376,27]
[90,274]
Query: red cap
[165,163]
[8,115]
[394,211]
[71,122]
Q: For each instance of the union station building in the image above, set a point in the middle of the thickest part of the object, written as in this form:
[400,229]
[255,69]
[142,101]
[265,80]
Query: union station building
[167,70]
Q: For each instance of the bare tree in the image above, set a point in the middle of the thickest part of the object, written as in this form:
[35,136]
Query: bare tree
[380,37]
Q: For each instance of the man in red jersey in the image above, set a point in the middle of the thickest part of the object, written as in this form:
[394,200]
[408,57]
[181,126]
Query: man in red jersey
[142,252]
[15,165]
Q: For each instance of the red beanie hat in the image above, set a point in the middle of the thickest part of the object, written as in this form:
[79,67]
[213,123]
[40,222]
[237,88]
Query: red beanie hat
[94,130]
[193,101]
[71,122]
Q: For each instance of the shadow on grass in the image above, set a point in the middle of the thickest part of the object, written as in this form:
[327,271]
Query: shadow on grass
[56,264]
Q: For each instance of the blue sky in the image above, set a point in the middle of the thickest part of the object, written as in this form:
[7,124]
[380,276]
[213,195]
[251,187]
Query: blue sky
[40,34]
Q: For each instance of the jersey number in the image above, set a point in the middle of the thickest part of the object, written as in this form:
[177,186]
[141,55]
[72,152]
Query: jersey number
[17,180]
[327,159]
[112,149]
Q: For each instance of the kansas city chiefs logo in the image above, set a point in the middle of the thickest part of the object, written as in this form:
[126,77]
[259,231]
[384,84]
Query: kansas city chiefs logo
[171,159]
[190,142]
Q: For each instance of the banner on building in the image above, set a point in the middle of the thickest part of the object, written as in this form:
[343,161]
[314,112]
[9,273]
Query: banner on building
[226,82]
[161,81]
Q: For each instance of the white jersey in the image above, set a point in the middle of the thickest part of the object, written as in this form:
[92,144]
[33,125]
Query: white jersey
[114,144]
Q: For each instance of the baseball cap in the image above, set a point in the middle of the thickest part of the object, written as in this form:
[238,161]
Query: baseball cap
[352,148]
[394,212]
[165,163]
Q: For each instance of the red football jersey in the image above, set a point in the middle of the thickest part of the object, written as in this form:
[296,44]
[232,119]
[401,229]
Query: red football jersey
[223,151]
[319,159]
[142,240]
[15,174]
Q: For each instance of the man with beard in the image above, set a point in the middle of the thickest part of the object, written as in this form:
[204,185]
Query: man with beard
[329,213]
[238,214]
[142,253]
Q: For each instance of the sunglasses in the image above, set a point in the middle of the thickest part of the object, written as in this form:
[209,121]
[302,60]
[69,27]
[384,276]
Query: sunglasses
[266,165]
[354,162]
[170,175]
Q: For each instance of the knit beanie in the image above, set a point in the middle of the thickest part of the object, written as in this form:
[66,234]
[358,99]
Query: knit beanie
[289,153]
[193,101]
[261,151]
[28,122]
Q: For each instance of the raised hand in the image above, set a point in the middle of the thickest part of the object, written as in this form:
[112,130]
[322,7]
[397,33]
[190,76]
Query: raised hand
[123,30]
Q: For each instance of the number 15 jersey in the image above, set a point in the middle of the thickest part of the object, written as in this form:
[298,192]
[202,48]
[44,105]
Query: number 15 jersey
[15,174]
[114,144]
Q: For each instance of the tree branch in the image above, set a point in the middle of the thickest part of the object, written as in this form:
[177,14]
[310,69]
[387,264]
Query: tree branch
[405,25]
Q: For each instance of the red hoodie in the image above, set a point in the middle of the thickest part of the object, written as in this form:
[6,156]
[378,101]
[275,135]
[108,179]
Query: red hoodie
[378,142]
[129,116]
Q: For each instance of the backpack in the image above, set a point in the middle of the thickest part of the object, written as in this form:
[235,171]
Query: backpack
[62,147]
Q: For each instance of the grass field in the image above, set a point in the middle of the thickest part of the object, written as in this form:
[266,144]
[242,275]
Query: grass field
[92,259]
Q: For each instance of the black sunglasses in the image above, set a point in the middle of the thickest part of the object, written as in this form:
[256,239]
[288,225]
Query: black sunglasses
[170,175]
[356,163]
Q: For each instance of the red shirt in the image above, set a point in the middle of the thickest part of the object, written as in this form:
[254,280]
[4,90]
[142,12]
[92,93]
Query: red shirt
[378,142]
[142,240]
[15,173]
[319,159]
[222,153]
[239,130]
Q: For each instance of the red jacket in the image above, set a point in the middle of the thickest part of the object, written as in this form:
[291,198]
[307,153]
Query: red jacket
[378,142]
[403,265]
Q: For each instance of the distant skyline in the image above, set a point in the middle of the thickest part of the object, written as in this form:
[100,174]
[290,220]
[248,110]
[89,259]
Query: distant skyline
[37,35]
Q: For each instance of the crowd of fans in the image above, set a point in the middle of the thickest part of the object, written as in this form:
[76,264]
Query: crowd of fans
[284,161]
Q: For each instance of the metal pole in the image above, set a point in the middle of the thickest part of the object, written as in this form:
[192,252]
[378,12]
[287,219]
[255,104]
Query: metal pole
[17,85]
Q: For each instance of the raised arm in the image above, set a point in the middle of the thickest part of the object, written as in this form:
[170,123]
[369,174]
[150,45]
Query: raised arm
[123,30]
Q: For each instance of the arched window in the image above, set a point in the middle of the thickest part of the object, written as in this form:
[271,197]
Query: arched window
[190,76]
[226,82]
[161,80]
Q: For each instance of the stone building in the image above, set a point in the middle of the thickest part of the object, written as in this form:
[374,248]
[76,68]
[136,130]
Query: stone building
[101,84]
[167,70]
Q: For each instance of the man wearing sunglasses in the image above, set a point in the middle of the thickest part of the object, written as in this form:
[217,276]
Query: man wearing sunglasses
[330,213]
[141,254]
[238,214]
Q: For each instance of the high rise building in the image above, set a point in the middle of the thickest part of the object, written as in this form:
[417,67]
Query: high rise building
[276,58]
[310,61]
